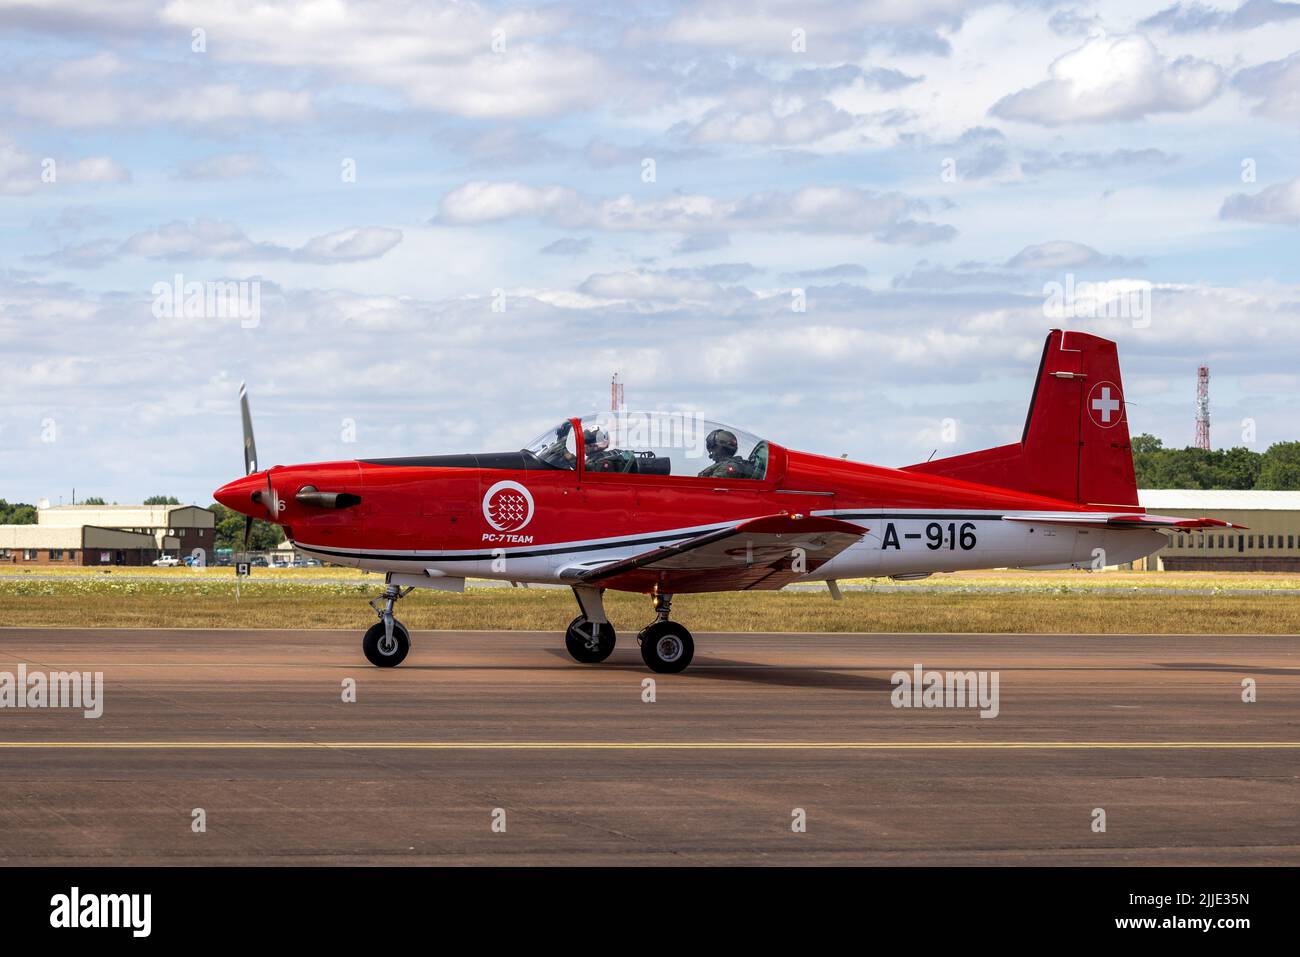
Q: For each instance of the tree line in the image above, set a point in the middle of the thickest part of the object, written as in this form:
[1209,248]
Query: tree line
[1276,468]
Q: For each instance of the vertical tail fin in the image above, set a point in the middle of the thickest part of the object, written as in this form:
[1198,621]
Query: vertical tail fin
[1075,444]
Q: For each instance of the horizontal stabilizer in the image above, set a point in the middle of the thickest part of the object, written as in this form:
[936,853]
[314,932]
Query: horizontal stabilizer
[1128,520]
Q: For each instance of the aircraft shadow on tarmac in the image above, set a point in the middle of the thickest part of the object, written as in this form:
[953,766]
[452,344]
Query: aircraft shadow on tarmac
[722,669]
[1215,666]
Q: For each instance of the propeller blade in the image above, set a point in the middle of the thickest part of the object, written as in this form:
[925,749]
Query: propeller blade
[248,531]
[250,446]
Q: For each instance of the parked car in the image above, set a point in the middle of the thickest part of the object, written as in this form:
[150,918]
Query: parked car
[166,561]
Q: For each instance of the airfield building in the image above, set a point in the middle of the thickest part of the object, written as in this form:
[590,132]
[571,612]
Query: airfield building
[108,535]
[1269,542]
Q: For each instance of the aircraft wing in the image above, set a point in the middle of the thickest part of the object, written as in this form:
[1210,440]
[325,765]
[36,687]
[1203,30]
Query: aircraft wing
[1132,520]
[761,553]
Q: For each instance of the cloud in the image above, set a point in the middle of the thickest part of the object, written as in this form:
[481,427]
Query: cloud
[440,58]
[567,246]
[834,29]
[87,255]
[98,105]
[1073,21]
[1045,257]
[214,239]
[1199,17]
[1278,204]
[887,217]
[23,173]
[197,239]
[721,272]
[602,154]
[94,169]
[822,80]
[758,105]
[702,242]
[1113,78]
[504,145]
[1276,87]
[1039,161]
[806,124]
[979,152]
[934,277]
[842,271]
[642,284]
[226,166]
[349,245]
[486,202]
[1064,254]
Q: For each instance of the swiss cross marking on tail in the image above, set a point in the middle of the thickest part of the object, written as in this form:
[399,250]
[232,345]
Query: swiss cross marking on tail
[1106,404]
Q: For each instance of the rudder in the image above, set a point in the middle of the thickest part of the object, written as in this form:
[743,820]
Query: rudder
[1075,444]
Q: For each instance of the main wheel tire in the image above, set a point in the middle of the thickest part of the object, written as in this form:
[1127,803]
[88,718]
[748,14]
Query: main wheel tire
[589,642]
[666,647]
[382,653]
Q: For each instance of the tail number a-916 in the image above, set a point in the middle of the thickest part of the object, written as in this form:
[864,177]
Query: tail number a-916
[937,535]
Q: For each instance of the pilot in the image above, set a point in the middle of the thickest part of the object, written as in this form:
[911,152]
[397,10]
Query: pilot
[595,442]
[557,453]
[721,446]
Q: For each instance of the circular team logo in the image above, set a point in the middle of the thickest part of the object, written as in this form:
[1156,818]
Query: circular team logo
[1106,405]
[508,506]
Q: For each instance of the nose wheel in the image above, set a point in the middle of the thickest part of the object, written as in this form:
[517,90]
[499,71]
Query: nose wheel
[387,642]
[666,646]
[384,650]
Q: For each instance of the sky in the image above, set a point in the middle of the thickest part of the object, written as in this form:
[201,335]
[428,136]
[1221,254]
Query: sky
[422,227]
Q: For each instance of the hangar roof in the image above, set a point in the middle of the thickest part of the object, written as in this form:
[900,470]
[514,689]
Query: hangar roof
[1158,498]
[127,516]
[72,536]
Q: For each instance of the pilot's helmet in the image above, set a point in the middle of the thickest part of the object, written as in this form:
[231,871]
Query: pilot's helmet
[720,444]
[595,439]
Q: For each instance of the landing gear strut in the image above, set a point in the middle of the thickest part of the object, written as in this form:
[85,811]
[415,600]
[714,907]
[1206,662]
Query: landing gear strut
[387,642]
[590,637]
[666,646]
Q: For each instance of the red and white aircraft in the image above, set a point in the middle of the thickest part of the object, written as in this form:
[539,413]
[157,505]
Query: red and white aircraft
[667,503]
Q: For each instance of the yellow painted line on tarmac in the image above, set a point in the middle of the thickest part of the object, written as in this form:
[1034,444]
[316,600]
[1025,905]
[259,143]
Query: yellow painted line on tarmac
[651,745]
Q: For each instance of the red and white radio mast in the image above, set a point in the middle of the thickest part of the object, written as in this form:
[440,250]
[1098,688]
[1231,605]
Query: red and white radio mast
[1203,407]
[616,393]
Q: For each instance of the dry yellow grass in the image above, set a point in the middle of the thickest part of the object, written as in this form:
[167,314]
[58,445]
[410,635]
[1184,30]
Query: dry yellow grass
[209,602]
[1016,578]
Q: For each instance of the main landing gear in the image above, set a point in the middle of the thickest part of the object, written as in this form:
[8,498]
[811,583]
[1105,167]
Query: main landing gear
[666,646]
[387,642]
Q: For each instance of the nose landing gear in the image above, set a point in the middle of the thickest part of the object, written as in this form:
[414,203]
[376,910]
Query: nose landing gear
[590,637]
[589,642]
[387,642]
